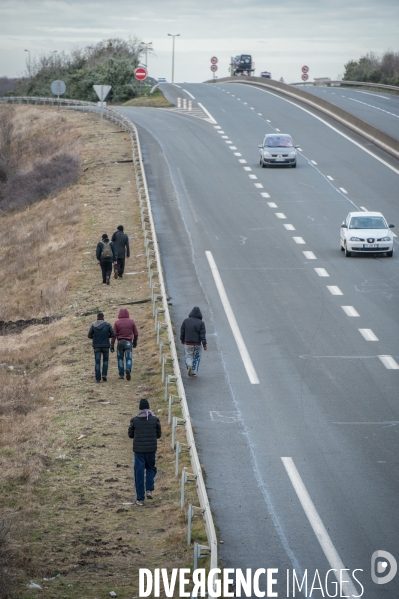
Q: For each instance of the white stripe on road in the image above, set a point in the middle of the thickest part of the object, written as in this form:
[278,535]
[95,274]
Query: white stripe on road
[229,142]
[272,205]
[389,362]
[264,194]
[280,215]
[299,240]
[309,255]
[368,334]
[242,160]
[249,367]
[330,178]
[237,154]
[313,162]
[224,136]
[290,227]
[363,208]
[258,185]
[208,113]
[318,528]
[343,190]
[322,272]
[334,290]
[252,176]
[217,126]
[191,95]
[350,311]
[246,168]
[232,147]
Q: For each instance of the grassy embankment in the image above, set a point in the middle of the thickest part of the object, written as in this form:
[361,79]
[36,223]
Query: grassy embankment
[155,100]
[69,500]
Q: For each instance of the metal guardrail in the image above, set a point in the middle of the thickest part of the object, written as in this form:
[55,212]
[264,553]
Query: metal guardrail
[383,140]
[342,83]
[154,257]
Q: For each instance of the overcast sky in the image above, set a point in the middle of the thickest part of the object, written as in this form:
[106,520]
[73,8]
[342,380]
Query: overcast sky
[282,35]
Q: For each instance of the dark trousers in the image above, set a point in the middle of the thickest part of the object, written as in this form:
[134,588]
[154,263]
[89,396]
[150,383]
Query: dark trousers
[98,352]
[106,269]
[144,463]
[120,267]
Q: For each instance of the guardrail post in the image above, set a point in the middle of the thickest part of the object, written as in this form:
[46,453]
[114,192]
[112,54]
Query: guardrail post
[175,423]
[190,515]
[170,406]
[169,379]
[198,549]
[184,480]
[164,360]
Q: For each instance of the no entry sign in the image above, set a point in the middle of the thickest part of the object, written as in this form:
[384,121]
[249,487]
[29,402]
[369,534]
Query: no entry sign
[140,73]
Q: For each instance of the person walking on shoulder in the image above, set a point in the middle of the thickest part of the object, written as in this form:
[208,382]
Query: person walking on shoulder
[106,255]
[127,334]
[101,332]
[145,430]
[192,335]
[121,241]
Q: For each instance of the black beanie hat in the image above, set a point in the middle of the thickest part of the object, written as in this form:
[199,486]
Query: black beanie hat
[120,227]
[144,405]
[100,316]
[104,236]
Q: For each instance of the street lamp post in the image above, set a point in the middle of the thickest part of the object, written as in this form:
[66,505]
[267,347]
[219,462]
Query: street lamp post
[146,46]
[173,54]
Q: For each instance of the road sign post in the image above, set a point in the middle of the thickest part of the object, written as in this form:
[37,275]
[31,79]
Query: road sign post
[102,92]
[58,88]
[214,68]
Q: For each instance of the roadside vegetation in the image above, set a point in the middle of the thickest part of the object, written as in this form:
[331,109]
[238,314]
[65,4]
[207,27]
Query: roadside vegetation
[156,100]
[374,68]
[109,62]
[68,519]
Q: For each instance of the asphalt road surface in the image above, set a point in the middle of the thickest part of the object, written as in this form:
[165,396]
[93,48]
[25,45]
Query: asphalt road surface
[296,406]
[378,108]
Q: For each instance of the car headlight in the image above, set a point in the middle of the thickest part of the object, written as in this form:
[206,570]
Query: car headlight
[355,239]
[292,154]
[267,154]
[385,239]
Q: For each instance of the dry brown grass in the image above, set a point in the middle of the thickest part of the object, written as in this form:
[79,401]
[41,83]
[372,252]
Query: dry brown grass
[66,497]
[155,100]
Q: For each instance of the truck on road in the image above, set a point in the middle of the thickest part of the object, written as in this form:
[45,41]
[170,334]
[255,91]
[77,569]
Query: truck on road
[242,65]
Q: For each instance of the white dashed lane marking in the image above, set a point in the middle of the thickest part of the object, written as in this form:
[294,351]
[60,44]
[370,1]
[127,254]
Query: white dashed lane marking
[237,154]
[289,227]
[280,215]
[309,255]
[343,190]
[272,205]
[334,290]
[313,162]
[252,176]
[368,334]
[330,178]
[299,240]
[258,185]
[242,160]
[232,148]
[247,168]
[350,311]
[321,272]
[389,362]
[264,194]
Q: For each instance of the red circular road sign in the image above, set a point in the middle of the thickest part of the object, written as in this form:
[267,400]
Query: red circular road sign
[305,77]
[305,69]
[140,73]
[214,60]
[214,68]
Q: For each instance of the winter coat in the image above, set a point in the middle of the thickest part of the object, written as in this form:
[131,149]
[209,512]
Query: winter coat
[144,429]
[99,249]
[125,327]
[121,241]
[101,332]
[192,330]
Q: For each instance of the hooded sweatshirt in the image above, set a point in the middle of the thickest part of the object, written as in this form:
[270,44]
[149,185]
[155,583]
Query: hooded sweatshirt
[100,331]
[125,327]
[192,330]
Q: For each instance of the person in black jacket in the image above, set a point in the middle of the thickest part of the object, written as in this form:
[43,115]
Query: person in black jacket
[192,335]
[106,255]
[101,332]
[144,429]
[121,241]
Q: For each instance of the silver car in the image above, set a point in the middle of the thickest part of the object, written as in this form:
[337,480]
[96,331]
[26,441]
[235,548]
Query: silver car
[365,233]
[277,148]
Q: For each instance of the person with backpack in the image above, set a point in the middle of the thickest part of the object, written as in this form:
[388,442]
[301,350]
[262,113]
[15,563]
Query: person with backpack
[101,333]
[106,255]
[192,335]
[121,241]
[127,334]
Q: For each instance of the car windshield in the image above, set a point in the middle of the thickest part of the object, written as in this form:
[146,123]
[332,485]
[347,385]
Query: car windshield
[368,222]
[278,142]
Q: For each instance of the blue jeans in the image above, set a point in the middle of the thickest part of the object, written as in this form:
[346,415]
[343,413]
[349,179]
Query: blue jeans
[144,463]
[192,354]
[124,352]
[98,352]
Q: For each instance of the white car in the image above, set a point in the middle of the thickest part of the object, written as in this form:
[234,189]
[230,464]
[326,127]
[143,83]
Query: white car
[277,148]
[366,232]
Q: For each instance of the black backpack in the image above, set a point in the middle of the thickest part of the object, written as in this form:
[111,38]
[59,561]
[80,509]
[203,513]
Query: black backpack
[106,252]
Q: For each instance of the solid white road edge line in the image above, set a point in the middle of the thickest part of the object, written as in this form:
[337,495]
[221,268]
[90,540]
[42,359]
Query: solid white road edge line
[208,113]
[242,348]
[191,95]
[318,527]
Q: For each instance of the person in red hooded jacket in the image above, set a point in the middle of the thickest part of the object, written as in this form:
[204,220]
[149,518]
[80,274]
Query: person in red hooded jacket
[127,334]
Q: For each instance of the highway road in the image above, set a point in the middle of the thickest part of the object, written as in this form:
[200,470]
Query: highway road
[378,108]
[295,407]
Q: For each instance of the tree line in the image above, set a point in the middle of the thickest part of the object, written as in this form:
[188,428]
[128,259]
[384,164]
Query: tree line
[109,62]
[374,68]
